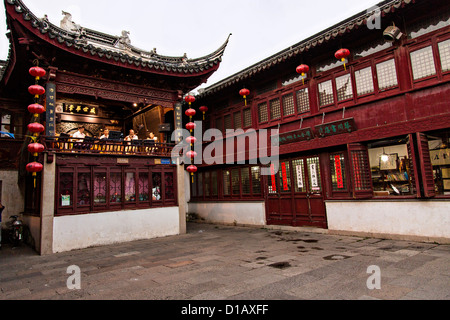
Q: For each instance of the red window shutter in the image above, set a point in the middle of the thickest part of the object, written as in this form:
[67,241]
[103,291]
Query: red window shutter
[426,168]
[412,170]
[361,177]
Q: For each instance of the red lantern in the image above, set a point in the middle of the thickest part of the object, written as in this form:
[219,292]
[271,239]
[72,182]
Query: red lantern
[245,93]
[36,148]
[204,109]
[189,99]
[192,169]
[190,113]
[37,72]
[342,55]
[36,109]
[36,90]
[191,154]
[191,140]
[303,69]
[191,126]
[34,167]
[36,127]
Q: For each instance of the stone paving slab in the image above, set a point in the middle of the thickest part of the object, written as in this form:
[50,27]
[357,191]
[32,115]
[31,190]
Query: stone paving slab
[215,262]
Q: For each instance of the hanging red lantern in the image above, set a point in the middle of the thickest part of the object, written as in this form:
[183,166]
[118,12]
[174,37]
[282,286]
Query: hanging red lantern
[189,99]
[191,126]
[191,154]
[342,55]
[204,109]
[303,70]
[36,148]
[37,72]
[34,167]
[36,90]
[190,113]
[191,140]
[36,109]
[192,169]
[36,127]
[245,93]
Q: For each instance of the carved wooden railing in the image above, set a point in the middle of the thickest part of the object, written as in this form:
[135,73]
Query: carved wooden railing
[110,147]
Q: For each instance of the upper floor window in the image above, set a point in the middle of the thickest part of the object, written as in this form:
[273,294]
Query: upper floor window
[444,54]
[422,63]
[302,100]
[386,74]
[364,81]
[344,87]
[326,95]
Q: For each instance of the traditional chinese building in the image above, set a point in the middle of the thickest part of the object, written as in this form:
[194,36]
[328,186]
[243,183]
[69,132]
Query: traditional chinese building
[363,132]
[92,191]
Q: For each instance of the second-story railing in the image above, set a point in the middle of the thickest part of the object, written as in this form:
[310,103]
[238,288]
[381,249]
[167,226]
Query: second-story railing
[112,147]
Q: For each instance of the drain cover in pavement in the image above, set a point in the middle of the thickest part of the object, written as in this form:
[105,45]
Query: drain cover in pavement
[280,265]
[336,257]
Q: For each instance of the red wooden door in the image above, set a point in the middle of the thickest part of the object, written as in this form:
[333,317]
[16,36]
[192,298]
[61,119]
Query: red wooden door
[295,194]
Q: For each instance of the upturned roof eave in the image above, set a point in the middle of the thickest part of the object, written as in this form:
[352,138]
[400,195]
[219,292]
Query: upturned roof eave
[130,57]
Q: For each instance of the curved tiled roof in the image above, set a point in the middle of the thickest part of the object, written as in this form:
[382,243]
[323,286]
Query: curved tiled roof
[111,48]
[331,33]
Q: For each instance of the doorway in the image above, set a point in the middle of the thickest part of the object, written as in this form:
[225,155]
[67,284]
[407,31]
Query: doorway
[294,194]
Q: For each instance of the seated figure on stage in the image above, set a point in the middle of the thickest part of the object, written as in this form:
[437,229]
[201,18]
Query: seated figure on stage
[131,136]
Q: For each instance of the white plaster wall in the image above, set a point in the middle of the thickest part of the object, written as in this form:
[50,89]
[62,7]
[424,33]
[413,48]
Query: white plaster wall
[412,218]
[12,197]
[244,213]
[83,231]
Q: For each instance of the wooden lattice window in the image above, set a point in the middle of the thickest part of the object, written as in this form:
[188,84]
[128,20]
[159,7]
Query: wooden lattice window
[247,118]
[444,53]
[288,105]
[326,95]
[386,74]
[364,81]
[263,115]
[344,87]
[302,100]
[360,170]
[237,120]
[422,63]
[275,109]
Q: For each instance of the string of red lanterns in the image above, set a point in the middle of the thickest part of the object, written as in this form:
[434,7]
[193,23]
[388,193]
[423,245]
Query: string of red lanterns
[191,139]
[35,127]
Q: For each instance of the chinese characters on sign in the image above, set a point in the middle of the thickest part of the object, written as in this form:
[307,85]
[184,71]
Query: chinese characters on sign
[274,181]
[338,168]
[80,109]
[300,177]
[313,176]
[336,127]
[293,136]
[179,119]
[50,109]
[321,131]
[284,176]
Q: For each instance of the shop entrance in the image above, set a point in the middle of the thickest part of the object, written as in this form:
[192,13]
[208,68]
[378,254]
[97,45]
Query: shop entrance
[294,195]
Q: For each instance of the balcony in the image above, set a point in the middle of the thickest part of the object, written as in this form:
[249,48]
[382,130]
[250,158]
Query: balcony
[90,146]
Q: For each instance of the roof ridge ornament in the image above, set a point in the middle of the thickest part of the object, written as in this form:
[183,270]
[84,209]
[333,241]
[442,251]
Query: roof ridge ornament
[67,23]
